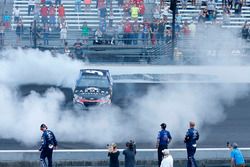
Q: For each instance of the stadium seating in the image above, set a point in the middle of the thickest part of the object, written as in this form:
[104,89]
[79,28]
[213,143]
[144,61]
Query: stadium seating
[74,19]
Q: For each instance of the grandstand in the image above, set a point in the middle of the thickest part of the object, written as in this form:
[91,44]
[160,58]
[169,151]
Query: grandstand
[74,19]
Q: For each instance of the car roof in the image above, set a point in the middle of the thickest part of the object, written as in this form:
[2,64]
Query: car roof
[94,71]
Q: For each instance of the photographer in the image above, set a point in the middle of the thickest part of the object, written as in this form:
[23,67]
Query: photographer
[113,154]
[129,154]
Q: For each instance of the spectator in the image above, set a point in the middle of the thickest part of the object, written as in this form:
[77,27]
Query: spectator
[31,28]
[230,4]
[160,31]
[31,6]
[78,5]
[184,4]
[185,29]
[135,32]
[78,49]
[237,7]
[6,20]
[126,8]
[119,30]
[19,31]
[190,139]
[152,31]
[192,28]
[103,11]
[44,14]
[211,7]
[111,18]
[52,17]
[113,154]
[203,16]
[129,154]
[168,34]
[203,2]
[98,36]
[58,2]
[244,30]
[178,19]
[16,12]
[120,3]
[66,49]
[42,2]
[167,159]
[85,33]
[134,12]
[87,4]
[110,35]
[141,7]
[127,32]
[61,13]
[145,33]
[100,3]
[63,33]
[46,34]
[163,140]
[48,2]
[37,13]
[226,15]
[2,28]
[237,159]
[156,12]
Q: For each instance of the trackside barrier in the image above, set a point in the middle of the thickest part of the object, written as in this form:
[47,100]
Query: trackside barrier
[219,157]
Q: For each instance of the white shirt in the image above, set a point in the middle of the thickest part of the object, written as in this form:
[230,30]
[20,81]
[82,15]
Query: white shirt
[167,161]
[16,12]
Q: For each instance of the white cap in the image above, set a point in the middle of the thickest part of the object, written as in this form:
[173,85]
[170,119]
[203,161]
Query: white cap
[165,151]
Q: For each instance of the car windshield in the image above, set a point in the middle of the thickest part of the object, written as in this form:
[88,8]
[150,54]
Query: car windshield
[93,80]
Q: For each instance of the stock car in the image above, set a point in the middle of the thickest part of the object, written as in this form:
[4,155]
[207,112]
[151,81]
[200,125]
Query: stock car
[93,88]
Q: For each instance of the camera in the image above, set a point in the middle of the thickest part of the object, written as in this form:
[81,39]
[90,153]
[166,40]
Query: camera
[131,145]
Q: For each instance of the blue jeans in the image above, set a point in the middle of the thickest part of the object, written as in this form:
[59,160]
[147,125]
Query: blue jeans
[190,155]
[46,153]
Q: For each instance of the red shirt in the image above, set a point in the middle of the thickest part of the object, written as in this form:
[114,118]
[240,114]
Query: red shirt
[61,11]
[52,11]
[44,11]
[141,9]
[42,1]
[127,27]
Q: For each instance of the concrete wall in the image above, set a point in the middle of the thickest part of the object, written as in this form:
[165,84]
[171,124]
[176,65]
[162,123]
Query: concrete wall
[144,157]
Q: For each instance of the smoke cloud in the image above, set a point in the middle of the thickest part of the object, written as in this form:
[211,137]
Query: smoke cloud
[175,104]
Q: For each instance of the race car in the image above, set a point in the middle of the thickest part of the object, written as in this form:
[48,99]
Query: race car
[93,87]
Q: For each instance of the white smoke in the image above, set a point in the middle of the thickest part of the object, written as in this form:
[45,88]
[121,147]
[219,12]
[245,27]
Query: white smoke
[175,104]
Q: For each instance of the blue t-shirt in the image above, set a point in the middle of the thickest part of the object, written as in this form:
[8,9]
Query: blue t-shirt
[164,137]
[191,137]
[237,156]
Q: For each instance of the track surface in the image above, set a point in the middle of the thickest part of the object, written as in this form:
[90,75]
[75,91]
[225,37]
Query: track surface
[234,128]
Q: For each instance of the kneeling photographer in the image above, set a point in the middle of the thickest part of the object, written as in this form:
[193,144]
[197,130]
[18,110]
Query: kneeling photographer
[113,154]
[129,154]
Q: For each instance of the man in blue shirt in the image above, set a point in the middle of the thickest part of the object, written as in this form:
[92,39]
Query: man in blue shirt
[237,159]
[191,137]
[163,139]
[49,142]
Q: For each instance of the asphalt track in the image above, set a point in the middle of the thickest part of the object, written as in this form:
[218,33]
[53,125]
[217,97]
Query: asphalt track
[234,128]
